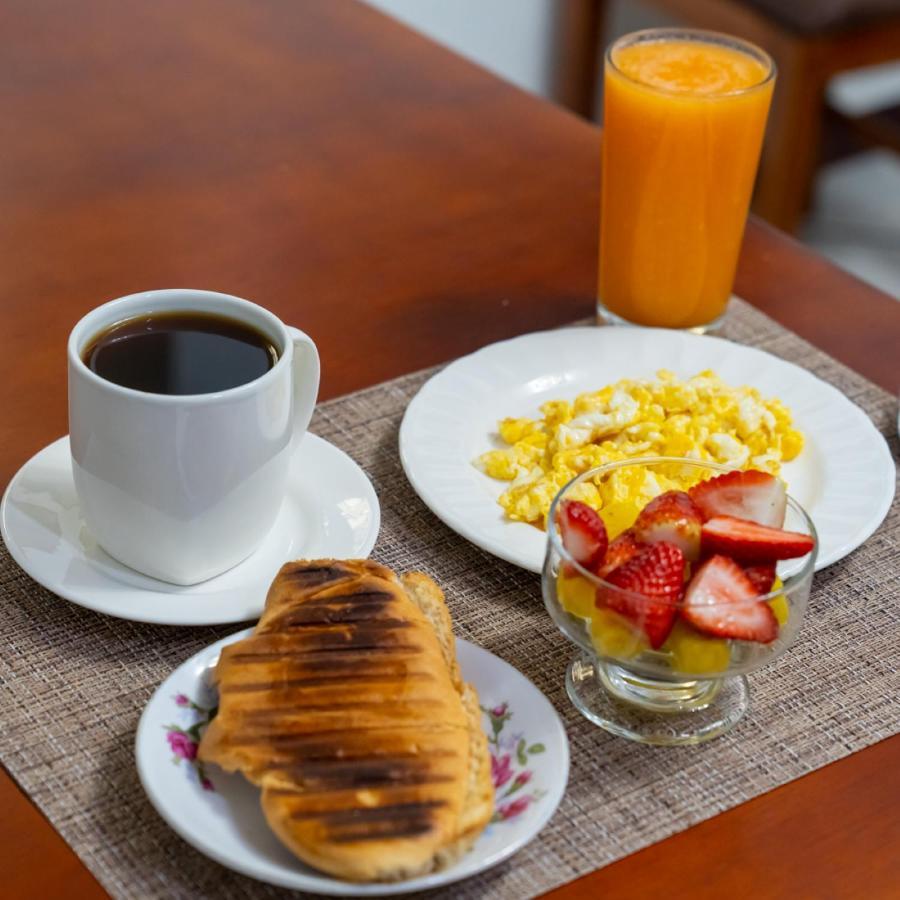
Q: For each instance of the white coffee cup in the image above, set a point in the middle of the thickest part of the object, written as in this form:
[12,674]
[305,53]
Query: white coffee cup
[182,488]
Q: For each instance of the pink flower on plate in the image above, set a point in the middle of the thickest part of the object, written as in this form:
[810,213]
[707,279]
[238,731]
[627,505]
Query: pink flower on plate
[501,769]
[522,778]
[513,809]
[182,746]
[500,711]
[182,700]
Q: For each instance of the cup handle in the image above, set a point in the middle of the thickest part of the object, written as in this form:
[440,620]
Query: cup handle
[306,380]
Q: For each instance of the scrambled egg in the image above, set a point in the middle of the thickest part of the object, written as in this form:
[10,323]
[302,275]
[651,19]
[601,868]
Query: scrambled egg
[700,418]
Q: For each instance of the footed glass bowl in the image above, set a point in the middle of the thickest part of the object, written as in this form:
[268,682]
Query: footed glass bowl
[691,688]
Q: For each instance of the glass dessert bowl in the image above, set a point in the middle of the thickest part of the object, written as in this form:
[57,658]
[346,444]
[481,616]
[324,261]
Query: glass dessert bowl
[670,667]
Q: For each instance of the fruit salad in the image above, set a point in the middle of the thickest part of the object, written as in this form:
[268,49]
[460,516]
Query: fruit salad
[690,579]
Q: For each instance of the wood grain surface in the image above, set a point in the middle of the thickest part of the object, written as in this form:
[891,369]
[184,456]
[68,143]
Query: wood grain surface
[403,207]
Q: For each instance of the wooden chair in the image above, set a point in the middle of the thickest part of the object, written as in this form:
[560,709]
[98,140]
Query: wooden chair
[810,40]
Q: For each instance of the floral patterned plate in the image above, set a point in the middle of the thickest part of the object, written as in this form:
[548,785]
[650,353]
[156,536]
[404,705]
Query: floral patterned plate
[219,814]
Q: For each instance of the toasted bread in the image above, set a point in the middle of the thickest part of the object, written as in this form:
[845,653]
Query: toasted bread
[479,803]
[430,599]
[346,707]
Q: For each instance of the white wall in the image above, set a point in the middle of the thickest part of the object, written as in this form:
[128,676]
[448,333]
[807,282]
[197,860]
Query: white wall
[509,37]
[536,44]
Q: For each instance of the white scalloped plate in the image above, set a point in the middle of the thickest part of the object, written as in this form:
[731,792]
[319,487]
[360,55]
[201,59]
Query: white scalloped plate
[844,477]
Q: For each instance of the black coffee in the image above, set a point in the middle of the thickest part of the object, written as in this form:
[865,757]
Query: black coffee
[180,353]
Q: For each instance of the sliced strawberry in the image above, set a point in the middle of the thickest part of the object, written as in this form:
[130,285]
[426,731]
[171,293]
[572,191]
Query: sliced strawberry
[583,533]
[651,584]
[762,576]
[748,542]
[757,496]
[623,548]
[674,518]
[722,601]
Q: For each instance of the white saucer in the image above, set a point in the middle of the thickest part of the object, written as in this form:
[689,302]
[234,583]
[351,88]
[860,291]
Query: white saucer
[844,477]
[219,814]
[335,514]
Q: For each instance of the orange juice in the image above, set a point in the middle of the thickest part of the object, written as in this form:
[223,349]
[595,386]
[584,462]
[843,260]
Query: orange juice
[684,116]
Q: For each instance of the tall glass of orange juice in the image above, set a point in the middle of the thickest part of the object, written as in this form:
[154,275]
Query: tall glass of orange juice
[684,117]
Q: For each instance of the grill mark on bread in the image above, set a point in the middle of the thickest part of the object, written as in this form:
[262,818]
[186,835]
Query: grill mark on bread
[354,617]
[351,667]
[381,678]
[330,757]
[299,710]
[363,781]
[414,828]
[365,595]
[378,633]
[331,744]
[332,775]
[307,576]
[376,823]
[334,612]
[300,653]
[325,612]
[387,812]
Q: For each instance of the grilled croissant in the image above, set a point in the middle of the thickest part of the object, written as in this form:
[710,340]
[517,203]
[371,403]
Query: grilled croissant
[347,708]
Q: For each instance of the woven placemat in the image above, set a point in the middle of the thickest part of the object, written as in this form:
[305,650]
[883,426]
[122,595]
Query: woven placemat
[73,683]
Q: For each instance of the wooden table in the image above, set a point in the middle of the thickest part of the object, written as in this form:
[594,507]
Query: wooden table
[404,207]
